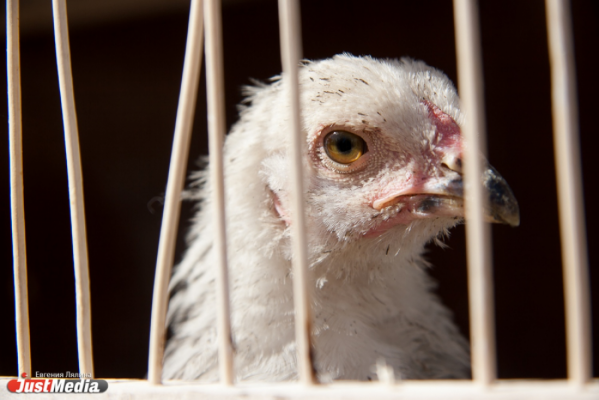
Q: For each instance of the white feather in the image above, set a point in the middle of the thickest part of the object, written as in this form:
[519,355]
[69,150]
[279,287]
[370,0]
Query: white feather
[372,298]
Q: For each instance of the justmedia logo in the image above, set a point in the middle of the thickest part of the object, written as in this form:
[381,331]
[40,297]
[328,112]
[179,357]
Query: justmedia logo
[57,386]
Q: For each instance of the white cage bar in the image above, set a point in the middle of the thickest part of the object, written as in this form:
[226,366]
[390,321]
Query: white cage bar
[71,136]
[17,204]
[480,278]
[215,88]
[569,183]
[291,50]
[484,384]
[176,179]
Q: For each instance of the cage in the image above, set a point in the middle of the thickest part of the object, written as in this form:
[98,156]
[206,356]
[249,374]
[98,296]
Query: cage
[126,116]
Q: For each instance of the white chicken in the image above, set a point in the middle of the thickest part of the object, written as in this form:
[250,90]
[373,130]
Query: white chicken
[383,176]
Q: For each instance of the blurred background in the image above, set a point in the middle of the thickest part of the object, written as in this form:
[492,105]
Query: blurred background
[127,59]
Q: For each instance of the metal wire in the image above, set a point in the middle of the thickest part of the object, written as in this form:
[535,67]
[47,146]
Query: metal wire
[215,88]
[289,23]
[480,278]
[176,179]
[75,179]
[17,206]
[569,184]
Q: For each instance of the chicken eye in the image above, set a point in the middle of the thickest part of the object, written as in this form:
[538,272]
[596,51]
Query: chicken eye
[344,147]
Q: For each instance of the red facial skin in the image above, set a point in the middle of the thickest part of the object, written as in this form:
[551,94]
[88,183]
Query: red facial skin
[411,189]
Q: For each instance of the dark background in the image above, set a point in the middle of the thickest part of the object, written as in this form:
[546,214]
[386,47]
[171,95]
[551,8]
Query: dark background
[127,71]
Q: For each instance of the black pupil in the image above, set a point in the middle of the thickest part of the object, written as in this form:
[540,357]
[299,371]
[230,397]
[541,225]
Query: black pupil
[344,144]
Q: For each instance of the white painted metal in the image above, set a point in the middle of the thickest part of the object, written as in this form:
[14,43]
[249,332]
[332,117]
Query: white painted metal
[291,49]
[75,179]
[569,184]
[176,179]
[480,279]
[215,88]
[17,207]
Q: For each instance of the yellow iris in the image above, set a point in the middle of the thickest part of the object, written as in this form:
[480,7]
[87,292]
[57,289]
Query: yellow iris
[344,147]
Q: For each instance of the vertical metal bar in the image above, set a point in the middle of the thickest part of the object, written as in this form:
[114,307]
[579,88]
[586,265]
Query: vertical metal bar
[569,184]
[215,88]
[17,206]
[176,179]
[291,49]
[480,279]
[71,134]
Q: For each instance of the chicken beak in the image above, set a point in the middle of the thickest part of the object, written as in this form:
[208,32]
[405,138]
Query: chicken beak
[444,196]
[502,204]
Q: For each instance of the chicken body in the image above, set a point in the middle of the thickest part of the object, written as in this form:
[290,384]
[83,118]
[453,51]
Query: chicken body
[370,212]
